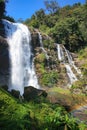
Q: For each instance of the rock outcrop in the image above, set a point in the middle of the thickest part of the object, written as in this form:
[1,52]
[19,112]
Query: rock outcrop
[32,93]
[4,57]
[2,31]
[4,54]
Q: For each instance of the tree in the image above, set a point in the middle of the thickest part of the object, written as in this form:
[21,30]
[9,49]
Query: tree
[40,14]
[86,2]
[51,6]
[77,4]
[2,8]
[67,32]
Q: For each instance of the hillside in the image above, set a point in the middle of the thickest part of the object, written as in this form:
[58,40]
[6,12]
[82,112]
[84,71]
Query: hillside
[67,26]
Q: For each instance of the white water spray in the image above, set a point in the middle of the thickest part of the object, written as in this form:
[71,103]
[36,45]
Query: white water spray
[22,66]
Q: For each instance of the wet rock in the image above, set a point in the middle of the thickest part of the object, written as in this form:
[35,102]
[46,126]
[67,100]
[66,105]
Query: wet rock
[32,93]
[4,61]
[4,54]
[2,31]
[35,41]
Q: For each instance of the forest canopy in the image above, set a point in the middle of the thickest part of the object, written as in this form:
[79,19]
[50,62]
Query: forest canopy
[66,25]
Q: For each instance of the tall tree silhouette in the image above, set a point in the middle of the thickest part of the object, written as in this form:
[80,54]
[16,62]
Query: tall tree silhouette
[2,8]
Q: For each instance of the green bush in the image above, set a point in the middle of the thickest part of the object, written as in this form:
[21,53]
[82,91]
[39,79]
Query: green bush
[49,79]
[48,43]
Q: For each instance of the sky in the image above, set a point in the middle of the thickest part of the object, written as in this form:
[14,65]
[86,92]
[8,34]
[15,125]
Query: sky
[24,9]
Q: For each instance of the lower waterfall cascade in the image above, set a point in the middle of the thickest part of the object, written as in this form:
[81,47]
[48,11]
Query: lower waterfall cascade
[22,71]
[68,63]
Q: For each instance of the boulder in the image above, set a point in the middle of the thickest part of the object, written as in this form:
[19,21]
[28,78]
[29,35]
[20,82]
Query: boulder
[32,93]
[15,93]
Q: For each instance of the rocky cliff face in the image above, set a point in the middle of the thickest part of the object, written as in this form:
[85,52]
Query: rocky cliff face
[4,56]
[48,68]
[2,32]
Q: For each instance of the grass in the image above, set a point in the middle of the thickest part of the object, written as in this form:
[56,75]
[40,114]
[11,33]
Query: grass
[60,90]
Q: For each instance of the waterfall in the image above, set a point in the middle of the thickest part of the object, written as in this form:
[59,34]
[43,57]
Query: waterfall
[60,53]
[42,47]
[71,62]
[65,57]
[70,74]
[22,72]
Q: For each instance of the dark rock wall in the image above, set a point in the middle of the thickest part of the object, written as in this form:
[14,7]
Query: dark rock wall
[4,56]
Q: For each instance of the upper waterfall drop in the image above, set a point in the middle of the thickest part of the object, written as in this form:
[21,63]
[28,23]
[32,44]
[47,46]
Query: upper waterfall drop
[22,72]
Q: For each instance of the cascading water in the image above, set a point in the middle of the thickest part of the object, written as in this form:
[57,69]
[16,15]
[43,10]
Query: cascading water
[22,71]
[60,53]
[41,44]
[68,63]
[70,74]
[71,62]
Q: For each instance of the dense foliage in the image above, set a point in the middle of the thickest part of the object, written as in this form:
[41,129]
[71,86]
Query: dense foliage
[2,8]
[38,114]
[3,11]
[66,25]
